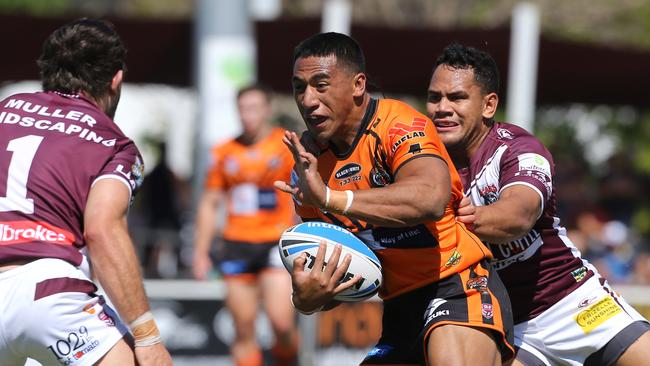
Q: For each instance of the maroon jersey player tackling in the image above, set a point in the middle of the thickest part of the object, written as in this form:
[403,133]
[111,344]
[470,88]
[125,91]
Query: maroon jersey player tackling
[565,313]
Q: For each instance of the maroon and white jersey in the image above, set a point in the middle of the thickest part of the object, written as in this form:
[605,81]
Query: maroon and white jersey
[543,266]
[53,148]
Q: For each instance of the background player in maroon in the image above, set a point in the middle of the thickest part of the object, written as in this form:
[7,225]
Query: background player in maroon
[67,175]
[564,311]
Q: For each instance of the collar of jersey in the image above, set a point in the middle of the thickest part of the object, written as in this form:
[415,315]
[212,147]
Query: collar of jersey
[365,121]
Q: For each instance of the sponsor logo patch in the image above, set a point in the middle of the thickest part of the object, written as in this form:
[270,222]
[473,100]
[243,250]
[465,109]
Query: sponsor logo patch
[433,312]
[348,170]
[16,232]
[401,129]
[595,315]
[579,274]
[401,132]
[487,311]
[454,259]
[586,302]
[138,171]
[415,149]
[479,284]
[379,177]
[90,309]
[489,194]
[505,134]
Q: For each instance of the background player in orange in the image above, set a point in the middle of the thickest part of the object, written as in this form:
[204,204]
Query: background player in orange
[378,168]
[565,313]
[241,175]
[67,177]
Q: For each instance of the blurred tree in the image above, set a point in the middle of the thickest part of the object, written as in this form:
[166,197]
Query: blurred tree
[36,7]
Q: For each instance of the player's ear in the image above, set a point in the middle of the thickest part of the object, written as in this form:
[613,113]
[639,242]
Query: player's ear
[359,84]
[490,103]
[116,82]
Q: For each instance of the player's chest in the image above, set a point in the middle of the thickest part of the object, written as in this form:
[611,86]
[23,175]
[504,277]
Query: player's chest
[250,164]
[484,180]
[365,167]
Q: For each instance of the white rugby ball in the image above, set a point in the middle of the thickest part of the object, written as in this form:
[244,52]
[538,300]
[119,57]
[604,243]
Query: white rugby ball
[305,238]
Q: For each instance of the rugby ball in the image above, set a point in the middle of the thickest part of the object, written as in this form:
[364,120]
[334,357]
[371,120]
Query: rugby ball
[305,238]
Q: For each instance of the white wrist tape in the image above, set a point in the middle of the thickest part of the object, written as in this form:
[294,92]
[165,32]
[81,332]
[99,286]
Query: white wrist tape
[144,330]
[348,203]
[327,196]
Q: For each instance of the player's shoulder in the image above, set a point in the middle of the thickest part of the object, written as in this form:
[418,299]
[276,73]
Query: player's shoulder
[516,138]
[392,113]
[224,146]
[397,108]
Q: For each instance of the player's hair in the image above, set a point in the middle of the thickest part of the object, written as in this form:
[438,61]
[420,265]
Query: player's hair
[345,48]
[485,69]
[264,89]
[82,55]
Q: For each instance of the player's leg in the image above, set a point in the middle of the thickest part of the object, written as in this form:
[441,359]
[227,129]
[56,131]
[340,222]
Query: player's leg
[468,320]
[637,353]
[120,354]
[240,271]
[525,358]
[275,284]
[461,345]
[242,301]
[63,320]
[401,324]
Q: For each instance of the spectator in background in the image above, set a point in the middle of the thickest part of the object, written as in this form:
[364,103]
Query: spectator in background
[241,176]
[162,204]
[641,272]
[68,175]
[621,191]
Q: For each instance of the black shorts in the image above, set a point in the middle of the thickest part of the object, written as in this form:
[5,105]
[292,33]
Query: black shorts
[245,259]
[475,297]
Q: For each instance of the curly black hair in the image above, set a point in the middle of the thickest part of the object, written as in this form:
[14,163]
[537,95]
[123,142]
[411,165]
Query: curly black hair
[82,55]
[485,69]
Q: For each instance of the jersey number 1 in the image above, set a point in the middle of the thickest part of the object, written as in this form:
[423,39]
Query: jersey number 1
[24,149]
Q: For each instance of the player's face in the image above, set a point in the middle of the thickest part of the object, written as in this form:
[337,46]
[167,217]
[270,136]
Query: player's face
[324,93]
[457,106]
[254,111]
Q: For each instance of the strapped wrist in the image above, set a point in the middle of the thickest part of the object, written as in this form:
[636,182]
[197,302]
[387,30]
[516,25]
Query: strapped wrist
[144,330]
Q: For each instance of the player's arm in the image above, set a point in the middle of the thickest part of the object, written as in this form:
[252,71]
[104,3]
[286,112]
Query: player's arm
[420,192]
[116,266]
[205,230]
[509,218]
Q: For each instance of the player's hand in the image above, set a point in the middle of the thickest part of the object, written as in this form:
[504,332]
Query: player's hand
[315,289]
[155,355]
[201,266]
[308,187]
[466,212]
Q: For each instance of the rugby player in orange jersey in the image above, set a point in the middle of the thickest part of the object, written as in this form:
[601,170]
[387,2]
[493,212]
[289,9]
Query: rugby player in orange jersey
[378,168]
[241,174]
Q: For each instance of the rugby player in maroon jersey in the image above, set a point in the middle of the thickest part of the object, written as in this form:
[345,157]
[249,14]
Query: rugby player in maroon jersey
[564,311]
[67,177]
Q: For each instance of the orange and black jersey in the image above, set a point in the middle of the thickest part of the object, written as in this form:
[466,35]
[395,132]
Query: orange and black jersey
[392,134]
[256,211]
